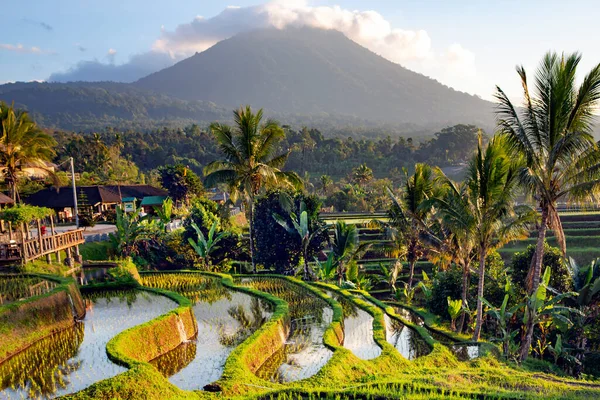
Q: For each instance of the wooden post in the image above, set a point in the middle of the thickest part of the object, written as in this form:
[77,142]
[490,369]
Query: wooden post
[54,244]
[27,230]
[69,260]
[10,231]
[40,239]
[23,247]
[78,258]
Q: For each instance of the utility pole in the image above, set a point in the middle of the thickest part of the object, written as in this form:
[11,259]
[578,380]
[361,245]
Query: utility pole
[75,213]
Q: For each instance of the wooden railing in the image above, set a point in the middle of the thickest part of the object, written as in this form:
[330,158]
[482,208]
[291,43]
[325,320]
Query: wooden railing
[37,247]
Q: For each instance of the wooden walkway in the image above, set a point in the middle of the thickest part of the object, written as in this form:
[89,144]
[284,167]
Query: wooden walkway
[44,245]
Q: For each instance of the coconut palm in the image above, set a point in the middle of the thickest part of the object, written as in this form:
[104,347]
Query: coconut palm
[454,236]
[362,174]
[492,181]
[249,165]
[22,145]
[325,182]
[407,219]
[553,133]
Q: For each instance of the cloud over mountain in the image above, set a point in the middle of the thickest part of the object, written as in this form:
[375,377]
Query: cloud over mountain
[411,48]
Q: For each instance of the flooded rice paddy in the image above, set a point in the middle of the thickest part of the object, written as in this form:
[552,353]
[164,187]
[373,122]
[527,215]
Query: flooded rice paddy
[304,353]
[76,358]
[358,328]
[225,319]
[16,287]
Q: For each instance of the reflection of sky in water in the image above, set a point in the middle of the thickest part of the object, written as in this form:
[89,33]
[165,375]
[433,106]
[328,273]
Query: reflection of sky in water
[358,329]
[104,320]
[305,353]
[465,352]
[215,327]
[308,361]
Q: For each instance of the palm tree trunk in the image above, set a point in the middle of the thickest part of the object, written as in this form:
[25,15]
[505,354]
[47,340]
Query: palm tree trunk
[533,279]
[465,291]
[411,266]
[251,232]
[340,272]
[477,332]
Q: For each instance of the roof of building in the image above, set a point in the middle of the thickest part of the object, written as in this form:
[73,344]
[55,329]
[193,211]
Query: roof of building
[63,197]
[4,199]
[153,200]
[129,199]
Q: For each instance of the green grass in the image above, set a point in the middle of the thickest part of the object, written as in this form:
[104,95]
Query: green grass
[95,251]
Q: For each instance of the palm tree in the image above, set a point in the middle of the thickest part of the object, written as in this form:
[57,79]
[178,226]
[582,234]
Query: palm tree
[248,164]
[492,181]
[454,236]
[553,133]
[362,174]
[326,182]
[407,218]
[22,145]
[346,247]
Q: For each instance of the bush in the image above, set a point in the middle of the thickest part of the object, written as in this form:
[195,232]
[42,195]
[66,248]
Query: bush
[449,283]
[561,279]
[275,247]
[204,213]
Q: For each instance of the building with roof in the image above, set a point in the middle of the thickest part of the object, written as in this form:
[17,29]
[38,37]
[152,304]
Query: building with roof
[99,198]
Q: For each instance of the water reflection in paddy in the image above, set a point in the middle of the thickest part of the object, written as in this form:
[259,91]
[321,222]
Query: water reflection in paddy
[358,329]
[225,319]
[70,368]
[304,353]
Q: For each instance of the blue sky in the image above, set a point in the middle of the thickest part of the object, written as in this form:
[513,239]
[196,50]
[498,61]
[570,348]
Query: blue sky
[467,44]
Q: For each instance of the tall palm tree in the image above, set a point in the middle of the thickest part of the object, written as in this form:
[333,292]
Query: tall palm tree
[408,219]
[553,133]
[326,182]
[248,163]
[492,180]
[22,145]
[454,235]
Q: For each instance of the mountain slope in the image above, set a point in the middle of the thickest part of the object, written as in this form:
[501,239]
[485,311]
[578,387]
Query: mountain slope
[312,71]
[95,105]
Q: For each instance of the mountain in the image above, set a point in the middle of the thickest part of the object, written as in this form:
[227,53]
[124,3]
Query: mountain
[95,105]
[312,71]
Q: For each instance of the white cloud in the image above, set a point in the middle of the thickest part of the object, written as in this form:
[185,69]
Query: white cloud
[411,48]
[19,48]
[111,52]
[368,28]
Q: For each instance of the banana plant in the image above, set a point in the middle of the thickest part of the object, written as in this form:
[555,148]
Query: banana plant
[503,315]
[561,351]
[389,275]
[455,309]
[301,228]
[588,294]
[541,308]
[206,245]
[164,213]
[326,270]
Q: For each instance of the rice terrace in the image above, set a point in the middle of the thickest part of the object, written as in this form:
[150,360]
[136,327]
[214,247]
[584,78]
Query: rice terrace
[390,211]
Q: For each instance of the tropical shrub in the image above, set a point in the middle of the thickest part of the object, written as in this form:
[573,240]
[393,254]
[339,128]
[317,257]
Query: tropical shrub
[277,248]
[561,279]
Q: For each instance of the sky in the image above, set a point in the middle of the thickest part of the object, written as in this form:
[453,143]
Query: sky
[470,45]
